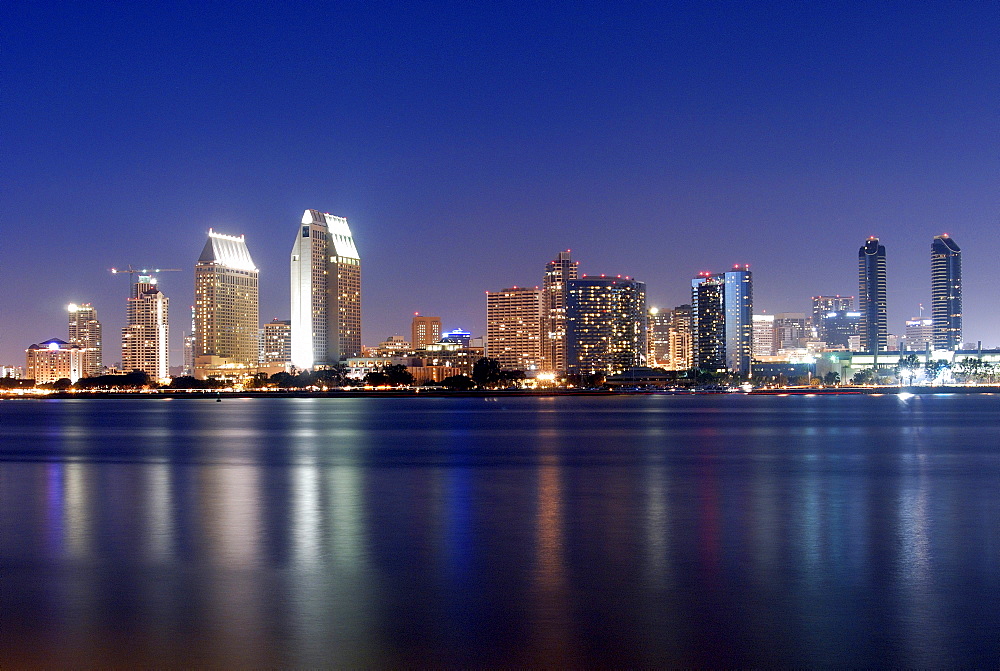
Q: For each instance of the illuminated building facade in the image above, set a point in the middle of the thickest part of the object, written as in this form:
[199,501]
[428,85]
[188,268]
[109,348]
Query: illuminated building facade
[514,328]
[658,334]
[424,331]
[681,339]
[919,334]
[558,273]
[946,293]
[276,341]
[326,292]
[226,314]
[145,337]
[763,335]
[54,360]
[722,320]
[605,325]
[872,302]
[824,305]
[85,331]
[790,330]
[839,327]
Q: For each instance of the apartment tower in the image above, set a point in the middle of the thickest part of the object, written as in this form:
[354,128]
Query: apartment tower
[605,324]
[558,273]
[946,293]
[872,296]
[514,328]
[146,335]
[85,331]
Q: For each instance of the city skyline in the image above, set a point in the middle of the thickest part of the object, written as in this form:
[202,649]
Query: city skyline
[465,157]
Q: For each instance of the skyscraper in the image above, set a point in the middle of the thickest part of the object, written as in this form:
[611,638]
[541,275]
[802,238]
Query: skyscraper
[226,315]
[85,331]
[708,321]
[946,293]
[145,337]
[514,328]
[558,273]
[605,325]
[681,339]
[824,305]
[326,292]
[763,336]
[658,333]
[424,331]
[722,320]
[872,296]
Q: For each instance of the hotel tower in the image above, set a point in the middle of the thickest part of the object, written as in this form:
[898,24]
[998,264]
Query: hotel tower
[326,292]
[226,314]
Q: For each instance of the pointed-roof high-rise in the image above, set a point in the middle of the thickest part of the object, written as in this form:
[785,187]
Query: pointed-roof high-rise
[226,314]
[326,292]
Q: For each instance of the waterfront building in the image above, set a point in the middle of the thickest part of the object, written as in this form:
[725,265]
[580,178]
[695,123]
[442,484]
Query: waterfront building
[54,360]
[514,328]
[325,292]
[11,371]
[658,332]
[681,347]
[605,324]
[146,335]
[424,331]
[824,305]
[872,296]
[790,331]
[839,327]
[85,331]
[722,320]
[919,334]
[946,293]
[226,313]
[394,345]
[558,273]
[763,336]
[708,321]
[276,342]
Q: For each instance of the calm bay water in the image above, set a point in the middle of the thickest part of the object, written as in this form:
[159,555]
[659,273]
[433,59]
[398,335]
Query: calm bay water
[642,531]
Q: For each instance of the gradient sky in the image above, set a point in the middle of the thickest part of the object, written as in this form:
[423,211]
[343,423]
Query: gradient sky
[468,142]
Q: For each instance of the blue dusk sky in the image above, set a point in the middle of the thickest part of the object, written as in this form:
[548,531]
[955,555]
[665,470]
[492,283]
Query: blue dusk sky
[469,142]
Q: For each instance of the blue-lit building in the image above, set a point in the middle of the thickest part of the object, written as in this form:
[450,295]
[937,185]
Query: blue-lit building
[605,325]
[946,293]
[722,320]
[872,302]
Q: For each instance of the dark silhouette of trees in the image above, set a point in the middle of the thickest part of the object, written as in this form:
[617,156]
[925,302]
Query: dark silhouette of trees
[458,382]
[486,373]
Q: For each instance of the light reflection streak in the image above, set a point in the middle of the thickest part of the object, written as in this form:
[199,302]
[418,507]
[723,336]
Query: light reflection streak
[159,511]
[76,506]
[551,590]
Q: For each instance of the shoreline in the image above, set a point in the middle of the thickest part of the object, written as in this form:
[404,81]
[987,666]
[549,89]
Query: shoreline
[441,393]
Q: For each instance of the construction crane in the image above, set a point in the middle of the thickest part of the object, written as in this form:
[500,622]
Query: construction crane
[144,271]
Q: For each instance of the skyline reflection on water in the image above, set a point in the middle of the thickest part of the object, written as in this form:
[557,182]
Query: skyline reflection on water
[552,531]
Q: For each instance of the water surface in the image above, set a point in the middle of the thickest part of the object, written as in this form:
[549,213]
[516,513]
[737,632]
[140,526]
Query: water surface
[636,530]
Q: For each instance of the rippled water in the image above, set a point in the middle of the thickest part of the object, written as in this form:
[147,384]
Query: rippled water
[640,531]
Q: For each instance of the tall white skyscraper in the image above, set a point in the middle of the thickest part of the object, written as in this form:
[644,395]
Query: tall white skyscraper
[145,338]
[326,292]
